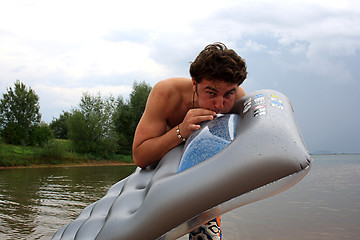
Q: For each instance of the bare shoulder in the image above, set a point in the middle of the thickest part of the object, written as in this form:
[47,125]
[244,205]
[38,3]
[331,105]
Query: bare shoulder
[167,95]
[170,85]
[240,93]
[171,91]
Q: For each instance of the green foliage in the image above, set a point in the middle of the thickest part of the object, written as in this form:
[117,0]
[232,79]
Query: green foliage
[79,131]
[59,126]
[90,128]
[127,115]
[11,155]
[124,121]
[55,149]
[138,98]
[40,134]
[100,126]
[15,133]
[103,126]
[19,113]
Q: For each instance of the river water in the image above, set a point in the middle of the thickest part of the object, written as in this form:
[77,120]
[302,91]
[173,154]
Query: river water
[35,202]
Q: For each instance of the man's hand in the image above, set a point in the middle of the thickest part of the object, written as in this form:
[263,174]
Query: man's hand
[193,118]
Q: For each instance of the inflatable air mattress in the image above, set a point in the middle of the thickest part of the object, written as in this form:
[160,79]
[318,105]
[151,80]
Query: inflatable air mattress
[252,153]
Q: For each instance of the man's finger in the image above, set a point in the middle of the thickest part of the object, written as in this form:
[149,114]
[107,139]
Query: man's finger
[203,111]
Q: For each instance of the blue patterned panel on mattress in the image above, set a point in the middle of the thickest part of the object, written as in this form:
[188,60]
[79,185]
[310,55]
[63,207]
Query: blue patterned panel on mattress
[213,137]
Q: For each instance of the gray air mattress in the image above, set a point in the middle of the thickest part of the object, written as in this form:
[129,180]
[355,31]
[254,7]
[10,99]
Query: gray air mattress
[253,153]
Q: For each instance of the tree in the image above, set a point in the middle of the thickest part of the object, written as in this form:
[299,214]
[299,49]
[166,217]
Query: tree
[91,128]
[124,126]
[102,125]
[19,113]
[40,134]
[127,115]
[59,126]
[138,99]
[79,132]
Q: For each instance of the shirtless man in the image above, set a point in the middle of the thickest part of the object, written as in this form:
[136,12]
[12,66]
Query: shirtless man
[176,106]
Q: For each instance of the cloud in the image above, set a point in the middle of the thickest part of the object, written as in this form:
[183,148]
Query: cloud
[109,58]
[298,36]
[300,47]
[93,62]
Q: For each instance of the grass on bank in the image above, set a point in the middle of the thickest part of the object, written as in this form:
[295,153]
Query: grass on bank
[55,152]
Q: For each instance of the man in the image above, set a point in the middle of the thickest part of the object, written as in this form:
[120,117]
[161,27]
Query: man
[176,106]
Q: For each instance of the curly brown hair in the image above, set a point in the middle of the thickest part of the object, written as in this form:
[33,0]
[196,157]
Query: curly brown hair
[217,62]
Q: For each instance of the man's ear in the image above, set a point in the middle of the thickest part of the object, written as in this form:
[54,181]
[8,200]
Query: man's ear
[194,85]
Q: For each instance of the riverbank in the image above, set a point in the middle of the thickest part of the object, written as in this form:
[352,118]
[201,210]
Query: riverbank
[67,165]
[55,154]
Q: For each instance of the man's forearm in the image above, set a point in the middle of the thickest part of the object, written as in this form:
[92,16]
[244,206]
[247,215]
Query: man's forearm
[153,149]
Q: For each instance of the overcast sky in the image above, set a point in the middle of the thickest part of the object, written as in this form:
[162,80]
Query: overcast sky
[309,50]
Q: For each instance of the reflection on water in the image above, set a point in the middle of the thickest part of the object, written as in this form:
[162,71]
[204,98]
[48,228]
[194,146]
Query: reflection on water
[34,203]
[325,205]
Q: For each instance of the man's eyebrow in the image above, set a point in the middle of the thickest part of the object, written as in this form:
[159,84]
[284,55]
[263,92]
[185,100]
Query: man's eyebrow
[215,90]
[231,90]
[211,88]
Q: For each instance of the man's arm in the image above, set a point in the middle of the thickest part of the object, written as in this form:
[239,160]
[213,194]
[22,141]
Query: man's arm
[152,139]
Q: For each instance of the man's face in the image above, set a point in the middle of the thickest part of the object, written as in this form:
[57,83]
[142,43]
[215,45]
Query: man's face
[215,95]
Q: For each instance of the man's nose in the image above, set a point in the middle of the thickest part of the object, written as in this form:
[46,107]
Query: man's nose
[219,104]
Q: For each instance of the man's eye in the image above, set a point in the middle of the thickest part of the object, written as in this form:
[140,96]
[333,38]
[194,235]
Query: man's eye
[229,94]
[211,93]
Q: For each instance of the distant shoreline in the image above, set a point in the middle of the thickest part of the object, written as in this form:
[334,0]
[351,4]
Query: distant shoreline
[14,156]
[85,164]
[334,153]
